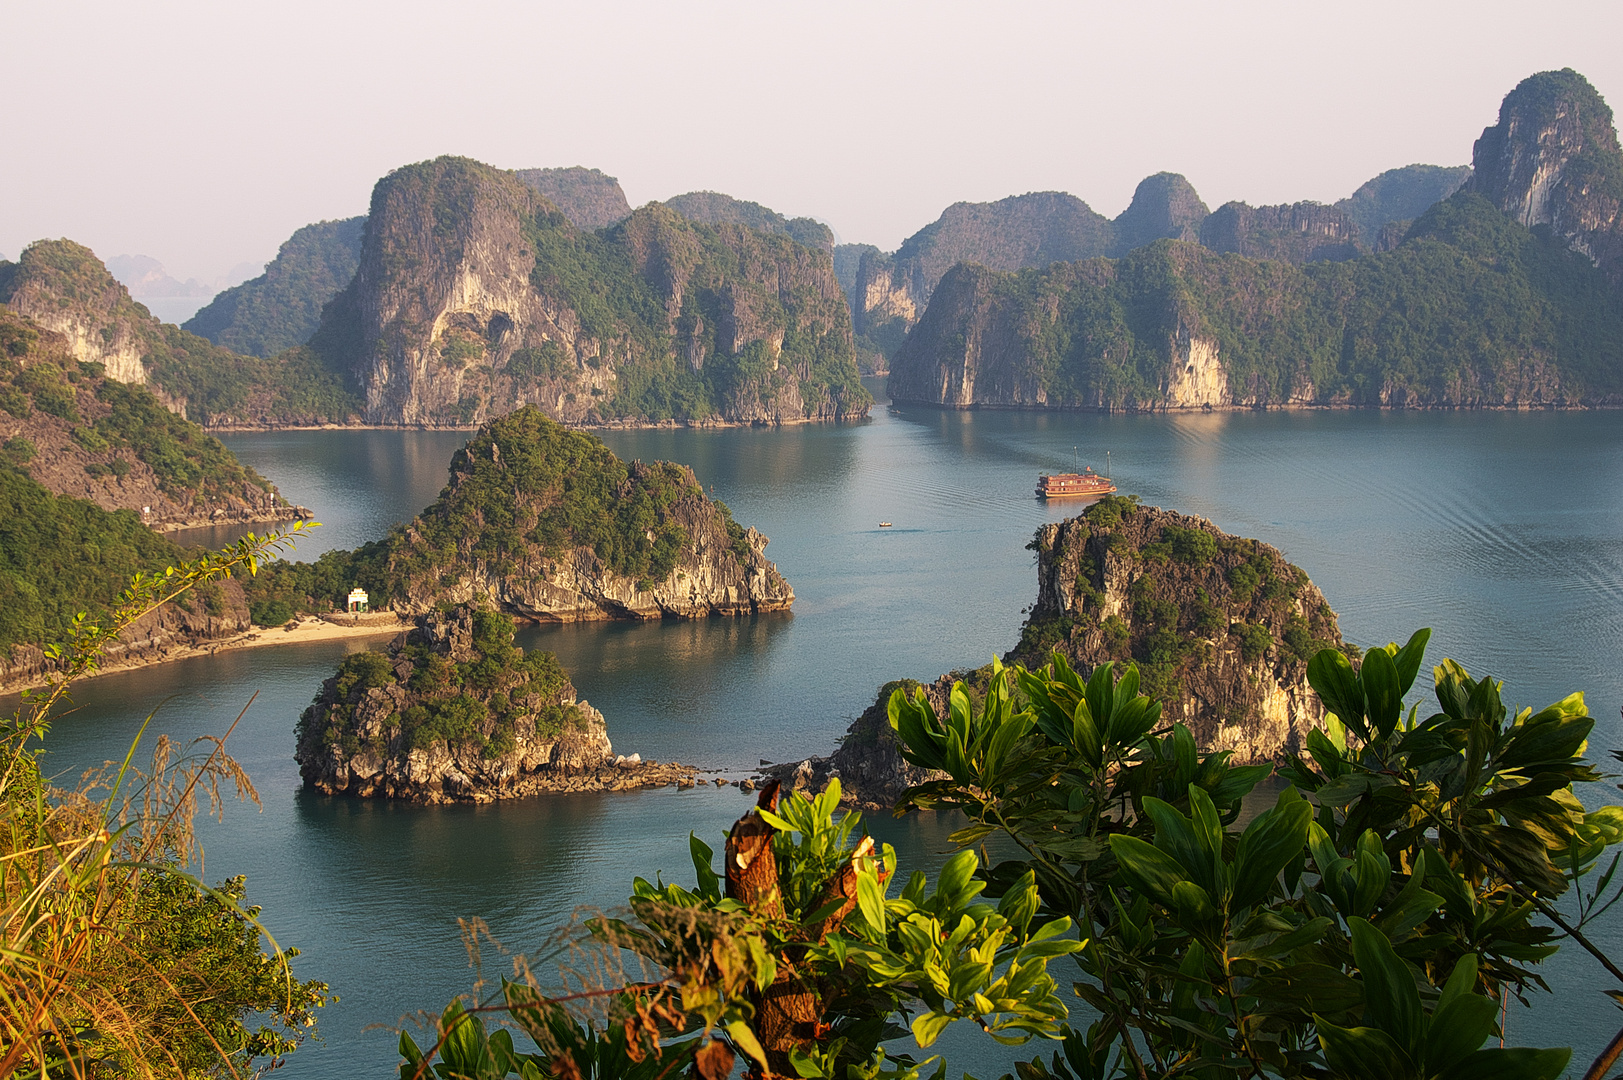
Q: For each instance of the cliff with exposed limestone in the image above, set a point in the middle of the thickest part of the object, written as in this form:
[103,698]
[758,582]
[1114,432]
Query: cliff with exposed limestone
[453,711]
[474,296]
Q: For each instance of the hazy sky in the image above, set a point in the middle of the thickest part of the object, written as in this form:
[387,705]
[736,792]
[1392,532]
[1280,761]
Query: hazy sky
[204,133]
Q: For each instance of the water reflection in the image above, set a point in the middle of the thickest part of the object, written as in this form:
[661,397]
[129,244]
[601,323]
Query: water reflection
[1504,532]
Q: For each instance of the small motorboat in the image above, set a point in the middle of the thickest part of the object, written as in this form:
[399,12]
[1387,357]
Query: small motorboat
[884,524]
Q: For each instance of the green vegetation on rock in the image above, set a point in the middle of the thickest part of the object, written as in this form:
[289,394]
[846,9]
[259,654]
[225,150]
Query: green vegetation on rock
[282,307]
[714,208]
[60,556]
[1472,309]
[63,286]
[525,494]
[465,694]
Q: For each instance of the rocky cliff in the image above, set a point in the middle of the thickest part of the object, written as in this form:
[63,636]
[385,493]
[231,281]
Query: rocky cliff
[1164,207]
[1221,627]
[714,208]
[74,431]
[589,198]
[475,296]
[1553,160]
[1300,233]
[1021,231]
[282,307]
[548,525]
[454,711]
[1173,325]
[64,288]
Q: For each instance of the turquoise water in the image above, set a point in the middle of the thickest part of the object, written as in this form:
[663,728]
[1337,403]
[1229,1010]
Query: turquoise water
[1502,532]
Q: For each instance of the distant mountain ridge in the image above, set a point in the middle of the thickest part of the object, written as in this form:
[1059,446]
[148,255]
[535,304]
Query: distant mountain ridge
[1500,295]
[282,307]
[891,291]
[714,208]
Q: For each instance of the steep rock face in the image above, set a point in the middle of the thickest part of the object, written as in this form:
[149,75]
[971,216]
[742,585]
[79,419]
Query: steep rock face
[64,288]
[1399,195]
[1174,325]
[714,208]
[1221,627]
[474,296]
[1165,206]
[963,352]
[452,711]
[589,198]
[1300,233]
[1553,159]
[651,544]
[176,629]
[79,433]
[1021,231]
[282,307]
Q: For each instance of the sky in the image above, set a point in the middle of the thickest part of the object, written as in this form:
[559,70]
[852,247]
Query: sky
[203,133]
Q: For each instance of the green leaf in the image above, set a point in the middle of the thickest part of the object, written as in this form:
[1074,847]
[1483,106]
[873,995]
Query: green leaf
[1458,1027]
[1408,659]
[709,884]
[1382,697]
[745,1040]
[1391,999]
[1331,675]
[1100,697]
[1511,1063]
[774,820]
[955,876]
[1153,871]
[871,901]
[1362,1053]
[1269,843]
[927,1028]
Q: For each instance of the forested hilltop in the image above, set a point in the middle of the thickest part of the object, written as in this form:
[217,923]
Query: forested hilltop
[68,427]
[475,295]
[548,524]
[1493,298]
[282,307]
[65,288]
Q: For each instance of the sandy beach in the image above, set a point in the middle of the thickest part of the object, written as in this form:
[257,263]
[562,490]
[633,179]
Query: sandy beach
[306,629]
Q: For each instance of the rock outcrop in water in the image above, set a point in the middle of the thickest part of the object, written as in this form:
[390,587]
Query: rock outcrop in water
[548,525]
[453,711]
[1221,629]
[475,295]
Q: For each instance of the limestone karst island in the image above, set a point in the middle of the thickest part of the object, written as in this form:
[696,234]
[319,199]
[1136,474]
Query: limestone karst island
[1188,645]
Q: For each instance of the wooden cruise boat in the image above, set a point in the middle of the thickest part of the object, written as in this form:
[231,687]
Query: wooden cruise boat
[1086,484]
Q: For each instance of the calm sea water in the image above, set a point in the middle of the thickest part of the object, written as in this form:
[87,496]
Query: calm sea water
[1502,532]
